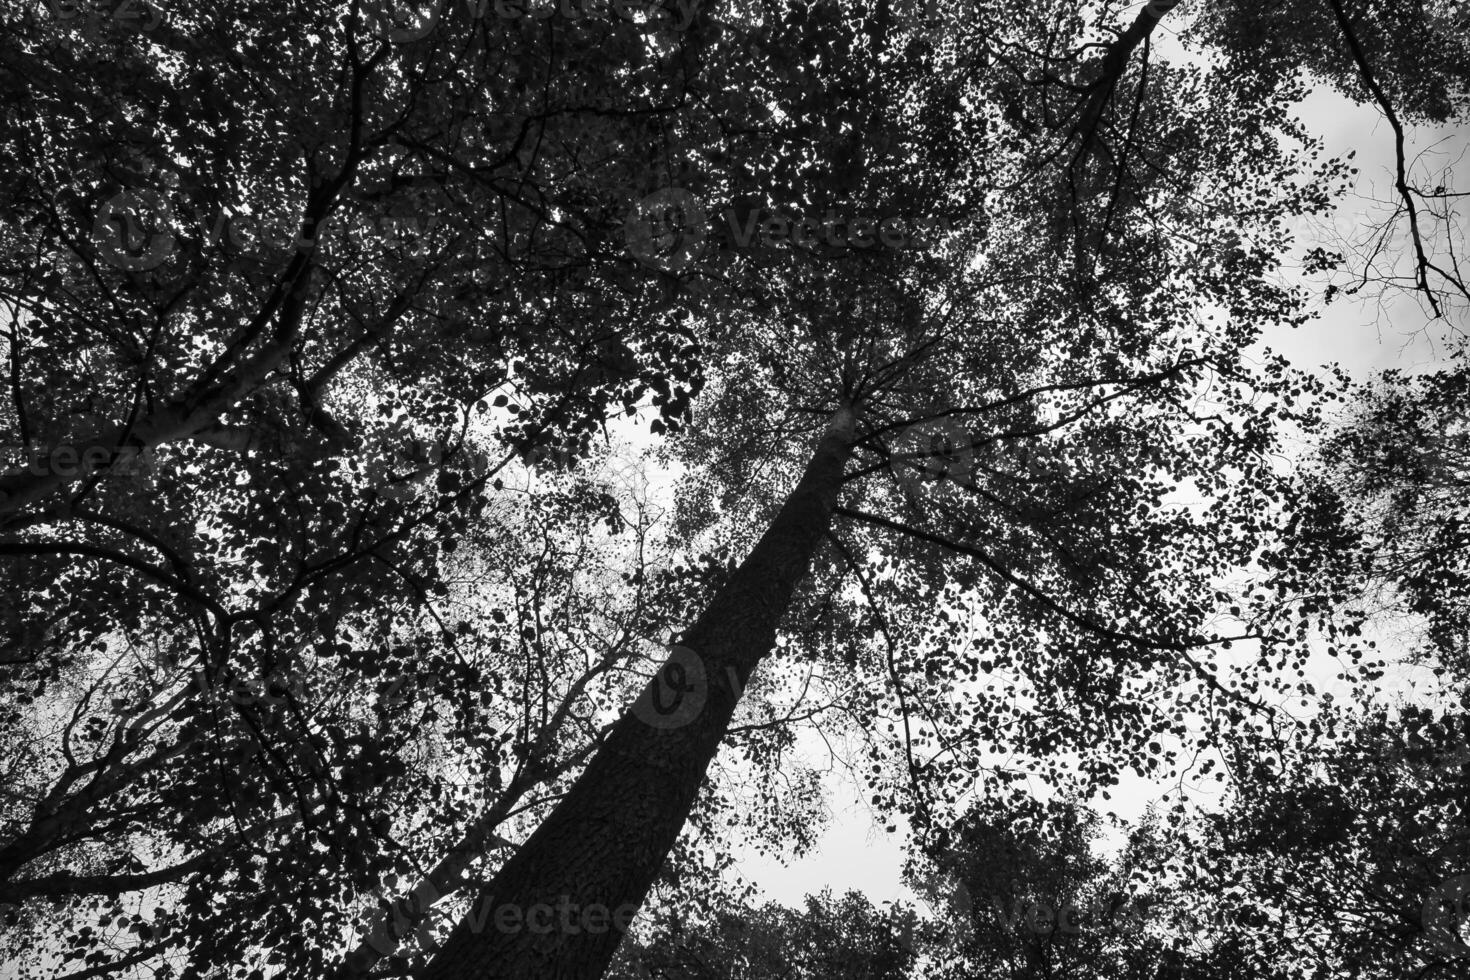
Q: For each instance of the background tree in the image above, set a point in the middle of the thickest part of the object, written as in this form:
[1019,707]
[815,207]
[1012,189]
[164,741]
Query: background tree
[1349,829]
[828,937]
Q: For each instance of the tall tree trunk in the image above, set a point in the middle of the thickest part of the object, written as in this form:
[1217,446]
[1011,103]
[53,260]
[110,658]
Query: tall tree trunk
[557,908]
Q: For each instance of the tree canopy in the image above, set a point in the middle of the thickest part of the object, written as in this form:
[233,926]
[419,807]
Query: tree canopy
[460,457]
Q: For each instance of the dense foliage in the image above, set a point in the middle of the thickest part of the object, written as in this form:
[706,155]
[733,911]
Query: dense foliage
[386,391]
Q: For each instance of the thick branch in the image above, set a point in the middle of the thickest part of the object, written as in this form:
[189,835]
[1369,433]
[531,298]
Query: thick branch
[1111,69]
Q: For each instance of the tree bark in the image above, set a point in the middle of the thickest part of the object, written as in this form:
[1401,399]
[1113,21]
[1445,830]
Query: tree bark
[1111,70]
[558,908]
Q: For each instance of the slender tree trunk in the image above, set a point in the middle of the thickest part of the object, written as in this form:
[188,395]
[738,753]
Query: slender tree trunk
[558,908]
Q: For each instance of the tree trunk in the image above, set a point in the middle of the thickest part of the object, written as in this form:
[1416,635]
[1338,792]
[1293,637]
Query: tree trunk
[558,908]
